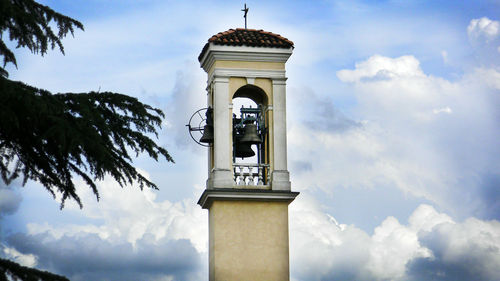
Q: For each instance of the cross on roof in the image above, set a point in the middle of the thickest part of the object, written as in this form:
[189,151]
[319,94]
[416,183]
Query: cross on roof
[245,9]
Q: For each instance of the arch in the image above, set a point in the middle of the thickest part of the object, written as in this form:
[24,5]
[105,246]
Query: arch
[252,92]
[251,170]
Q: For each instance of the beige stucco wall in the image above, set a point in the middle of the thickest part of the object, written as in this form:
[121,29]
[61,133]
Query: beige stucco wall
[248,241]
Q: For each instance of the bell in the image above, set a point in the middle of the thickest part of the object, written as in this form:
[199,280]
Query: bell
[208,134]
[243,150]
[251,136]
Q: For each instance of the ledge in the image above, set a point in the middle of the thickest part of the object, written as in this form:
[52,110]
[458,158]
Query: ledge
[243,53]
[230,194]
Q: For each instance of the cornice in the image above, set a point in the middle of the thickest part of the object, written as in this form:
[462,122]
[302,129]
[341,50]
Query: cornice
[232,194]
[243,53]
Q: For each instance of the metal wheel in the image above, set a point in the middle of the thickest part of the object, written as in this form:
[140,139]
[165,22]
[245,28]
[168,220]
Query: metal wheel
[197,124]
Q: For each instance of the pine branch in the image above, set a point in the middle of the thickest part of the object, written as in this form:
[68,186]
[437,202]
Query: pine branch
[49,138]
[29,25]
[10,270]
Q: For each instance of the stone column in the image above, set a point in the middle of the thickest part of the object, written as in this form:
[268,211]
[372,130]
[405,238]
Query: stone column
[221,174]
[280,176]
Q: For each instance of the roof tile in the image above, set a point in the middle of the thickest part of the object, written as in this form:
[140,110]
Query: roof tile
[247,37]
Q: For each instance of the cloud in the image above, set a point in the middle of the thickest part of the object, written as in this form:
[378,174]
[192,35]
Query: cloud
[95,258]
[483,28]
[444,55]
[461,251]
[442,110]
[134,236]
[407,141]
[188,96]
[490,194]
[28,260]
[430,241]
[379,68]
[10,199]
[320,247]
[484,39]
[393,245]
[301,166]
[325,117]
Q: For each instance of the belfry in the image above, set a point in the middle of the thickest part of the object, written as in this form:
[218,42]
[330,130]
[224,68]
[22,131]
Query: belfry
[248,189]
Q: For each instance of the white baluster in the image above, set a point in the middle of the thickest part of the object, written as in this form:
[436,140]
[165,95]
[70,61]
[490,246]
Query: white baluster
[241,177]
[250,176]
[260,182]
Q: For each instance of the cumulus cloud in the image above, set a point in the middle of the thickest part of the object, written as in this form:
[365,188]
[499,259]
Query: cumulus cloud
[483,28]
[430,245]
[138,237]
[11,253]
[484,37]
[379,68]
[393,245]
[419,133]
[461,251]
[406,140]
[320,247]
[94,258]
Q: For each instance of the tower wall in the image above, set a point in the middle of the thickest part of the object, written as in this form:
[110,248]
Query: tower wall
[248,240]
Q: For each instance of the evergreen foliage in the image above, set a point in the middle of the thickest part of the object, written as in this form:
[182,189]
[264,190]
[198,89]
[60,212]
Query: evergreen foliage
[10,270]
[50,137]
[28,24]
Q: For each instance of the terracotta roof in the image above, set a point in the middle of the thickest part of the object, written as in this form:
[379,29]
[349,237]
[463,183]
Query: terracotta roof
[247,37]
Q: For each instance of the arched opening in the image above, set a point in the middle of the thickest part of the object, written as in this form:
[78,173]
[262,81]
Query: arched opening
[250,136]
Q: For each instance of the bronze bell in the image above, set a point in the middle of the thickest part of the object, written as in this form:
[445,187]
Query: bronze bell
[250,136]
[243,150]
[208,134]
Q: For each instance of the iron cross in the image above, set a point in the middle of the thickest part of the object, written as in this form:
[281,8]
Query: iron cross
[245,9]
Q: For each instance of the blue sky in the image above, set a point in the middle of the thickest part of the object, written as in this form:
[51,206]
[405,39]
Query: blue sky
[393,127]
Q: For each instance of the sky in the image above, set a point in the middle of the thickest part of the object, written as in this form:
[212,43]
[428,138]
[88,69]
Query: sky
[393,128]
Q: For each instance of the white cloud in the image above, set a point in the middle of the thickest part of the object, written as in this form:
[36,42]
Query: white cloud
[489,77]
[28,260]
[380,67]
[425,218]
[393,245]
[132,225]
[446,109]
[129,214]
[444,55]
[393,250]
[320,247]
[404,141]
[483,28]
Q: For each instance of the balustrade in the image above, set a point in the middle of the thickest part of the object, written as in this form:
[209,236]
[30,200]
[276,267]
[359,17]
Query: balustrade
[251,174]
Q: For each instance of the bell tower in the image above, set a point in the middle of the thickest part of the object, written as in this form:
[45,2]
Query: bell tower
[248,188]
